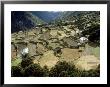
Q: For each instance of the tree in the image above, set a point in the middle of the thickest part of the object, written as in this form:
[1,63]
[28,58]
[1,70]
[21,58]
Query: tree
[16,71]
[89,23]
[63,74]
[46,71]
[62,68]
[94,73]
[34,70]
[26,62]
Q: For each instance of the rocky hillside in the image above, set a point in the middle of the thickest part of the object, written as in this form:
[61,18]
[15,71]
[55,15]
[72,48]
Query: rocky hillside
[21,20]
[60,41]
[88,22]
[47,16]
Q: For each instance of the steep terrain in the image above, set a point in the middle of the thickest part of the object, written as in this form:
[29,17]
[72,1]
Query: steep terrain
[22,20]
[46,16]
[56,41]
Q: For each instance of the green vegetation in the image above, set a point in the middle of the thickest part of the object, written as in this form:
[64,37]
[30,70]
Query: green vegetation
[89,23]
[34,70]
[64,69]
[55,49]
[61,69]
[26,62]
[16,71]
[96,52]
[93,50]
[16,62]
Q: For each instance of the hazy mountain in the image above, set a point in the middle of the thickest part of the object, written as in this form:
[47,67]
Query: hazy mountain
[74,15]
[21,20]
[46,16]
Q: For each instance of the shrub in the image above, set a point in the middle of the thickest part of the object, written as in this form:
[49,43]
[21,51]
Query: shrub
[34,70]
[16,71]
[63,74]
[62,68]
[46,71]
[26,62]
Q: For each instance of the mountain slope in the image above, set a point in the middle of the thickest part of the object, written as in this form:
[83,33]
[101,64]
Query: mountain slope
[46,16]
[21,20]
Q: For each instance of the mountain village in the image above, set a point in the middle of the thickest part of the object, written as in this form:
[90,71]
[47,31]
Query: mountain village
[48,44]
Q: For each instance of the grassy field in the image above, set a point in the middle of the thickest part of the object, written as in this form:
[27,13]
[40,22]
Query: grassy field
[96,52]
[89,50]
[16,62]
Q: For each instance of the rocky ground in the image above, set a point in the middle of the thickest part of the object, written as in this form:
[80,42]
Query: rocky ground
[49,45]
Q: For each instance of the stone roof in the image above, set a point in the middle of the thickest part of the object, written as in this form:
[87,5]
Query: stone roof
[72,33]
[45,36]
[70,42]
[53,33]
[31,33]
[40,48]
[54,45]
[61,35]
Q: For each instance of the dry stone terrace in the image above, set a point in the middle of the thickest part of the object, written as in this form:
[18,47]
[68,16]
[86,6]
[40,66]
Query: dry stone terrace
[42,43]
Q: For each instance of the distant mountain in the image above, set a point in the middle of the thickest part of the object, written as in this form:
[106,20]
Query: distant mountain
[46,16]
[21,20]
[71,15]
[81,18]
